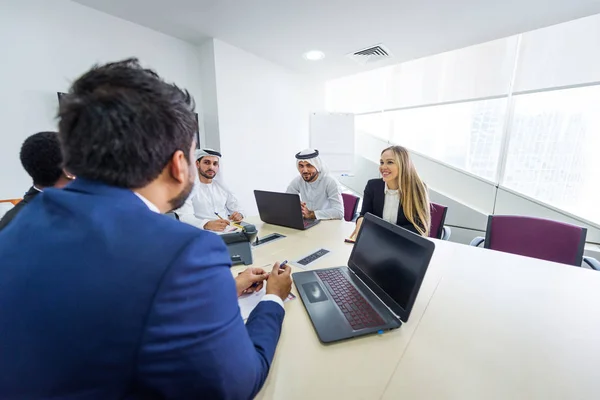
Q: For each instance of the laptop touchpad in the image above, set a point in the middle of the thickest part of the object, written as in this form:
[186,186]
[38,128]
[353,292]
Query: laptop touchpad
[314,292]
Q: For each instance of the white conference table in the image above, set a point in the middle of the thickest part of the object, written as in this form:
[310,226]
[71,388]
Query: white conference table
[486,325]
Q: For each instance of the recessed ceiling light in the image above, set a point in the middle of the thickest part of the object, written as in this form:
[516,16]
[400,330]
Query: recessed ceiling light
[314,55]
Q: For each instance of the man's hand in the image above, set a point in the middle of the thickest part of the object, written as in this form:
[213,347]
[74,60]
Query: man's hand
[236,217]
[218,225]
[306,213]
[280,281]
[250,281]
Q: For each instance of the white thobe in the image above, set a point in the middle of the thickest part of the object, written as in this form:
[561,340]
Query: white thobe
[322,196]
[208,202]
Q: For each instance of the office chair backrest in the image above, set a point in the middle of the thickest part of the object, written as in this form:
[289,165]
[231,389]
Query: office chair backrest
[438,217]
[536,237]
[350,206]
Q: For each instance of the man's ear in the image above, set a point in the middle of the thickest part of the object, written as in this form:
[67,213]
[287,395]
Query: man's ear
[178,167]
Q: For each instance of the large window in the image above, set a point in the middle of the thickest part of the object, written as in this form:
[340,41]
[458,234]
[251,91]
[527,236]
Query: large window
[554,149]
[464,135]
[522,112]
[376,124]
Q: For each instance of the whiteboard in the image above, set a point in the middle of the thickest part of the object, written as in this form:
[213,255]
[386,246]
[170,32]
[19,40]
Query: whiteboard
[333,135]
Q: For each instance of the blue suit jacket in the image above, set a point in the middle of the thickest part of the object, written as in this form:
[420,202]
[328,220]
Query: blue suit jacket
[101,298]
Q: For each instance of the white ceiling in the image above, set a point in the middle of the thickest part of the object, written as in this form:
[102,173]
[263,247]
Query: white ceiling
[282,30]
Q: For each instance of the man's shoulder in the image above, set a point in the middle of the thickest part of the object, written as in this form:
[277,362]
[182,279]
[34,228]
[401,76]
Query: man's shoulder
[30,195]
[193,239]
[162,240]
[186,232]
[296,182]
[125,224]
[330,181]
[297,179]
[10,214]
[220,185]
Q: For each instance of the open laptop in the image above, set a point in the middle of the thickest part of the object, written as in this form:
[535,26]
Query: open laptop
[282,209]
[376,291]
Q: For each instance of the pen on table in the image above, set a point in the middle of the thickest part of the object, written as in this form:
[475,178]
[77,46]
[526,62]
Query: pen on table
[232,223]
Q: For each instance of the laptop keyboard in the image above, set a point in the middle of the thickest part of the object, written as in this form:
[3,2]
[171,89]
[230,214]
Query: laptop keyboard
[355,307]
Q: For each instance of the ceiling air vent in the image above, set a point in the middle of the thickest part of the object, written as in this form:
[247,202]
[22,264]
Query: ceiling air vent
[370,55]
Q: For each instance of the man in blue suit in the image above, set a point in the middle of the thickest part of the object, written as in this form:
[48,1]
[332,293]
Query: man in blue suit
[101,296]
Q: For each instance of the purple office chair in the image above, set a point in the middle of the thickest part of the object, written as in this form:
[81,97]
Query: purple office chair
[538,238]
[438,217]
[350,206]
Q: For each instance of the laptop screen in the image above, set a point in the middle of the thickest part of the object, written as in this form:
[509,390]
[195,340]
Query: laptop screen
[393,259]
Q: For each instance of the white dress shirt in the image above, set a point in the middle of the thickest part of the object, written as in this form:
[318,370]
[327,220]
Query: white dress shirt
[148,203]
[322,196]
[391,205]
[152,207]
[205,200]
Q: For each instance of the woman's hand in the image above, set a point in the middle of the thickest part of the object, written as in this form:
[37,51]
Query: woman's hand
[357,229]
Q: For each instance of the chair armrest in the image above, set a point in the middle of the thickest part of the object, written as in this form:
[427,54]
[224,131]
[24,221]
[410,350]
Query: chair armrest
[592,262]
[446,232]
[477,241]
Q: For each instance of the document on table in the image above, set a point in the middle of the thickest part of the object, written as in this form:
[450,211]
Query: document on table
[228,229]
[248,302]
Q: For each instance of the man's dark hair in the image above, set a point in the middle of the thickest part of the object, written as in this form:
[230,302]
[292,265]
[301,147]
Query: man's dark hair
[120,124]
[42,159]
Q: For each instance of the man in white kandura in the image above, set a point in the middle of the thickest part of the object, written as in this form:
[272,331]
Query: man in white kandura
[211,206]
[319,192]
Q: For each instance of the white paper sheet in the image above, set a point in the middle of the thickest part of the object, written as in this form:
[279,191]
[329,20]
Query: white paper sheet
[248,302]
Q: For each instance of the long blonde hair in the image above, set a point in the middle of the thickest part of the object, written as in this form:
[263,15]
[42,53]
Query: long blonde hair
[412,191]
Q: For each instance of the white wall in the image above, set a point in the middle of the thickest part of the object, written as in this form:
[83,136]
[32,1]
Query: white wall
[263,117]
[45,45]
[210,107]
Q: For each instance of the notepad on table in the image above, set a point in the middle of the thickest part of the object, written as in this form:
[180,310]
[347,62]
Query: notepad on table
[248,302]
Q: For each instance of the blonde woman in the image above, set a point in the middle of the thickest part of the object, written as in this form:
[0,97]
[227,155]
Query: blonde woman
[400,196]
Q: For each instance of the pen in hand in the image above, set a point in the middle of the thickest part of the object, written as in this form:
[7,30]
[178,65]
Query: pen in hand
[232,223]
[281,268]
[282,265]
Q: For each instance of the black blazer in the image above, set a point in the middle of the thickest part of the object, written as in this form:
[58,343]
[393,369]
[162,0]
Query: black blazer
[31,193]
[373,200]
